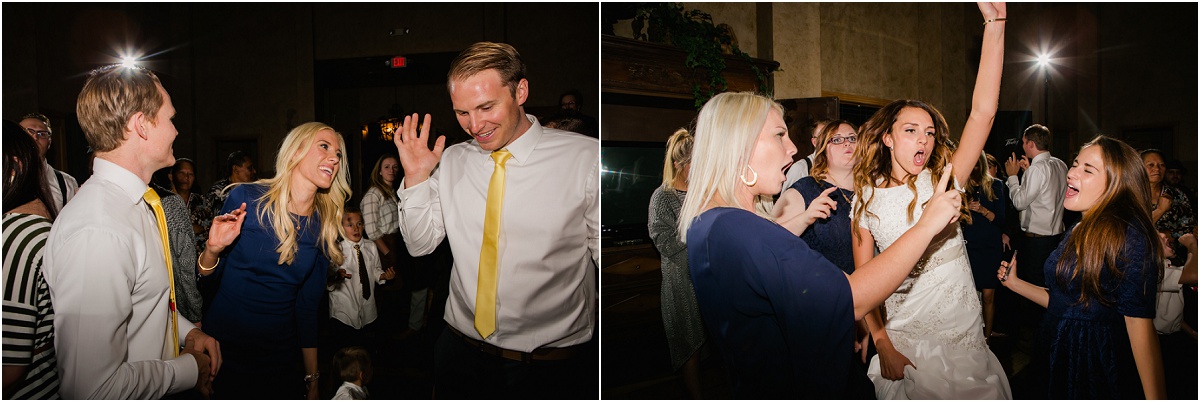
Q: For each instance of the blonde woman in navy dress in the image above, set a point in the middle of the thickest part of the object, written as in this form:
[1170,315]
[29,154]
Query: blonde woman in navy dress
[274,269]
[780,313]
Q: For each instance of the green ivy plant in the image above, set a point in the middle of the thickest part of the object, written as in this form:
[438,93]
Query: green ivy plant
[693,32]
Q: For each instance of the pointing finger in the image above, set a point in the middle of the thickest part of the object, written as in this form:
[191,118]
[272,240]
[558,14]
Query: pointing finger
[945,179]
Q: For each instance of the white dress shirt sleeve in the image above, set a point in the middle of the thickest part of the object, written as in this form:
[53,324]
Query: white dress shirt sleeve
[1023,192]
[421,221]
[92,303]
[593,214]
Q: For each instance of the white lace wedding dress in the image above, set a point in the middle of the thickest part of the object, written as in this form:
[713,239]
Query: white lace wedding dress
[934,317]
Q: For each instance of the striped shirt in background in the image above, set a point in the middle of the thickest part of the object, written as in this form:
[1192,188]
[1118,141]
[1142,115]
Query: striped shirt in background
[28,315]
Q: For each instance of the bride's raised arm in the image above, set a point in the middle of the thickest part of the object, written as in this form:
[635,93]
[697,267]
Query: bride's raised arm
[986,98]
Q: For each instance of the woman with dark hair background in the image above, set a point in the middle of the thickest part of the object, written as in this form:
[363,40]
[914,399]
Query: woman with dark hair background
[30,363]
[1098,332]
[1171,210]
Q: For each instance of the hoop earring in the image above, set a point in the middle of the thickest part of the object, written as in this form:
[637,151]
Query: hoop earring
[748,183]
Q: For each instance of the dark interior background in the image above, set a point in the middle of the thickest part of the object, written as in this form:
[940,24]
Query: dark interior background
[242,75]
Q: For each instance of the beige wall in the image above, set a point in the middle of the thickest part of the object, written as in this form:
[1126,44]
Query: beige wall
[797,48]
[1118,67]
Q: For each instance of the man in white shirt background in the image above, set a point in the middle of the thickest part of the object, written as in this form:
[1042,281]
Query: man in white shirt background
[1038,196]
[532,338]
[62,185]
[116,330]
[799,170]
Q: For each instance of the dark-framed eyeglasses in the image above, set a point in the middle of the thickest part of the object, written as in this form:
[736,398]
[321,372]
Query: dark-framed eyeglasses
[838,140]
[45,135]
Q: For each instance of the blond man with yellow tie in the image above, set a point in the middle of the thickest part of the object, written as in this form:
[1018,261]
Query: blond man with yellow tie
[520,207]
[117,333]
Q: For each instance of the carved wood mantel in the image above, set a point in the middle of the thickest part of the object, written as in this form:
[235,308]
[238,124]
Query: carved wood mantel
[636,67]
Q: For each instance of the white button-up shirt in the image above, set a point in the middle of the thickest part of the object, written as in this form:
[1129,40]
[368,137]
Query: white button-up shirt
[107,274]
[549,235]
[346,303]
[1039,195]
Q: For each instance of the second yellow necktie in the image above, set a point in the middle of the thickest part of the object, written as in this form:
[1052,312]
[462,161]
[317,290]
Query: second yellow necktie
[489,271]
[172,337]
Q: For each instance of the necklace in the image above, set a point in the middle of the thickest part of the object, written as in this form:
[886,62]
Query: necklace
[838,190]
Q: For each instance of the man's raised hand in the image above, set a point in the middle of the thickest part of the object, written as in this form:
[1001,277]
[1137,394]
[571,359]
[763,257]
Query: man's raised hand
[412,147]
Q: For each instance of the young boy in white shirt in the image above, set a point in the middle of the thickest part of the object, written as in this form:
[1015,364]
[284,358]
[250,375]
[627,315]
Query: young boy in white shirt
[353,365]
[352,287]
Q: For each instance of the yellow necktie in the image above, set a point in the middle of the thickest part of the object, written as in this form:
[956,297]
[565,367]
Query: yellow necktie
[485,293]
[172,337]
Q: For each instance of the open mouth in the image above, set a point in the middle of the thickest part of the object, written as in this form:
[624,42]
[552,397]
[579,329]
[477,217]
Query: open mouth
[485,136]
[787,166]
[919,158]
[327,170]
[1072,191]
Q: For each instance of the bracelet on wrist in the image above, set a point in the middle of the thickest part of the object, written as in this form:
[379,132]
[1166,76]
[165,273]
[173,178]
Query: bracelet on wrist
[312,377]
[204,268]
[994,20]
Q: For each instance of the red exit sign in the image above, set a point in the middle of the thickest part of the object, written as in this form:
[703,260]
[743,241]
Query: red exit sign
[399,62]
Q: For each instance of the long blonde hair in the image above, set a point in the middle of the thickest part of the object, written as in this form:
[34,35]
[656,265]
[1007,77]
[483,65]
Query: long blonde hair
[875,159]
[329,203]
[679,153]
[726,131]
[377,178]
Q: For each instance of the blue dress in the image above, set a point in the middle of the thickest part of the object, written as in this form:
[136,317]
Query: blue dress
[985,248]
[263,312]
[780,314]
[830,236]
[1089,352]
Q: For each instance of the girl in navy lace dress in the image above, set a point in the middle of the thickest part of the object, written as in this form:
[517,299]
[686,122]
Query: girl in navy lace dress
[1098,331]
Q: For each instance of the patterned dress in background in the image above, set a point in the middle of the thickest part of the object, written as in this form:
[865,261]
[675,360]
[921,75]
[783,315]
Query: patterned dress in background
[681,317]
[210,207]
[1178,220]
[183,253]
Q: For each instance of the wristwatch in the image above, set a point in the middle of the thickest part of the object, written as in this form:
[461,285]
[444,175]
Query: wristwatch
[312,377]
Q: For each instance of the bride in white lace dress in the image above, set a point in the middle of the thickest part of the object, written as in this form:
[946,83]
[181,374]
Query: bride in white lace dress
[932,345]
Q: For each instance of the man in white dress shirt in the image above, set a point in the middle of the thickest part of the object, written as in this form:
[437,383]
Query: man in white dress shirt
[105,263]
[62,185]
[1038,195]
[547,254]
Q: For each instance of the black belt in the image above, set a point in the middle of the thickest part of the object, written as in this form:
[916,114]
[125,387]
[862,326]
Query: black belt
[544,353]
[1027,234]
